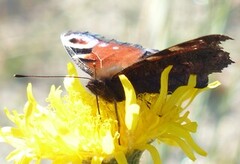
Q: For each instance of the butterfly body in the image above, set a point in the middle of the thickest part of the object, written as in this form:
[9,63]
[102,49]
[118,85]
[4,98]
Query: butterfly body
[105,59]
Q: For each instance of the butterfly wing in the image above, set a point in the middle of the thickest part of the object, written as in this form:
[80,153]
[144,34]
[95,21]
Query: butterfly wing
[201,56]
[105,59]
[101,58]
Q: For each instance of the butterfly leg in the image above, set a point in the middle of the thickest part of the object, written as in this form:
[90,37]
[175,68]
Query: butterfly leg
[118,119]
[97,102]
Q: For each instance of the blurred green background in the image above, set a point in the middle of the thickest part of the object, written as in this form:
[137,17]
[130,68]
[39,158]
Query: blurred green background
[30,44]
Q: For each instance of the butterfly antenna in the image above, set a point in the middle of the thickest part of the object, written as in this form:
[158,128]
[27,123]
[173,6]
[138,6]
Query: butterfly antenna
[49,76]
[95,72]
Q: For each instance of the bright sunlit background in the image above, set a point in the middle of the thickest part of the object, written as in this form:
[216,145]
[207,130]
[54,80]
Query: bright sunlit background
[30,44]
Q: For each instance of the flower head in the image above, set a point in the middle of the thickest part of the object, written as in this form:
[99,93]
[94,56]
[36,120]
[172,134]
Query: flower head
[71,130]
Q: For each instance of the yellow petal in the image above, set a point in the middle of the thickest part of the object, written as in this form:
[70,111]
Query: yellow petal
[108,143]
[131,106]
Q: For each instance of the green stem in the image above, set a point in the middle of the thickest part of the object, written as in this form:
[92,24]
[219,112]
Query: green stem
[132,158]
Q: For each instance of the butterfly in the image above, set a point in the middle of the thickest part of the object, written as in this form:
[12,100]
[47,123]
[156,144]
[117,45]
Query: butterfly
[105,59]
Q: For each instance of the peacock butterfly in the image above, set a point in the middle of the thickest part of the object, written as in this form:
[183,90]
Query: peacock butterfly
[105,59]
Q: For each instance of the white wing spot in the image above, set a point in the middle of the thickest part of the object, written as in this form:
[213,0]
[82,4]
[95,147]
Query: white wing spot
[115,48]
[103,45]
[175,48]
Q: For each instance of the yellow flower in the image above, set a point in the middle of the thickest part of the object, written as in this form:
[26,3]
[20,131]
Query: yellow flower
[70,129]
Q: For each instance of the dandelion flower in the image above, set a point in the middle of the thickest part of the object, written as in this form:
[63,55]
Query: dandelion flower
[71,130]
